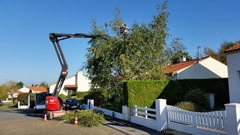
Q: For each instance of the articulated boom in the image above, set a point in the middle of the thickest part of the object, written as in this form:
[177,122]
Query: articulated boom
[55,38]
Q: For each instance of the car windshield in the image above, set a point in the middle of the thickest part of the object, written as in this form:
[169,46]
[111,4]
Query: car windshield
[71,100]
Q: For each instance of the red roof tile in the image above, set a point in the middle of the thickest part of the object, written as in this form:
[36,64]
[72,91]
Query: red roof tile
[38,89]
[71,86]
[233,48]
[176,67]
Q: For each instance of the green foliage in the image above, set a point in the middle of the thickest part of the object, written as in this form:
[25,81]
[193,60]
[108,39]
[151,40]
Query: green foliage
[197,96]
[44,84]
[175,91]
[187,105]
[81,95]
[220,54]
[12,87]
[23,98]
[136,56]
[3,92]
[177,51]
[20,84]
[62,96]
[143,93]
[97,95]
[86,118]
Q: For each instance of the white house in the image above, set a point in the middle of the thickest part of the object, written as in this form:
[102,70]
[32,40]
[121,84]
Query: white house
[204,68]
[76,83]
[36,89]
[233,61]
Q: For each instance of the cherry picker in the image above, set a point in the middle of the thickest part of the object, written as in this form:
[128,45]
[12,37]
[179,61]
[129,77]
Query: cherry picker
[54,104]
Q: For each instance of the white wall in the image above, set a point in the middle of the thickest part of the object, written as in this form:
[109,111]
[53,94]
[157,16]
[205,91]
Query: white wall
[83,82]
[216,66]
[69,81]
[233,61]
[207,68]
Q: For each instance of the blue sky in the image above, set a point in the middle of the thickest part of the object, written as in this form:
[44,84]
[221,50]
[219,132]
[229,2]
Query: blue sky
[27,54]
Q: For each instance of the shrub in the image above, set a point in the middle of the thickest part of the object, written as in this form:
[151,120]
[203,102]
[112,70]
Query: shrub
[86,118]
[81,94]
[23,98]
[187,105]
[198,97]
[62,96]
[97,95]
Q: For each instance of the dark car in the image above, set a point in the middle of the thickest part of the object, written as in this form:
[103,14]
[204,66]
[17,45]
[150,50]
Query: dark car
[72,103]
[1,103]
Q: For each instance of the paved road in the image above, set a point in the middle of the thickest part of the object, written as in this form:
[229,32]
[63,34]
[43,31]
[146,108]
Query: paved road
[19,122]
[25,122]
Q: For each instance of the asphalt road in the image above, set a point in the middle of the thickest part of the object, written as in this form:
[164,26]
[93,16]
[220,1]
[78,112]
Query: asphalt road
[23,122]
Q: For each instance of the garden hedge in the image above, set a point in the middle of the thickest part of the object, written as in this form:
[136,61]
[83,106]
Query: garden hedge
[143,93]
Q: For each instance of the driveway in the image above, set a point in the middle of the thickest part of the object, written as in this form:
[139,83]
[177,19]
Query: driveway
[22,122]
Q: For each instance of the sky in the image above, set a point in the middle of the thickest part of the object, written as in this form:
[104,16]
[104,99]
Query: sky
[27,55]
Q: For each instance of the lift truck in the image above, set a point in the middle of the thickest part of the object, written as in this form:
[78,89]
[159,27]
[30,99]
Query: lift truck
[54,104]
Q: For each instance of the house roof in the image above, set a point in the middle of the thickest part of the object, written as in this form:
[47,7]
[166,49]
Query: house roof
[233,48]
[179,66]
[71,86]
[38,88]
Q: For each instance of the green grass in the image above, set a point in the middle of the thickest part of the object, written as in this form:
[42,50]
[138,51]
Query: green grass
[9,106]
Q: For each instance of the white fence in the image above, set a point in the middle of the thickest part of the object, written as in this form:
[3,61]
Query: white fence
[165,116]
[196,122]
[107,112]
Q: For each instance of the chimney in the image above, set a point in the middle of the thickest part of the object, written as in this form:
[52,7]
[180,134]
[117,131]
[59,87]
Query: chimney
[199,53]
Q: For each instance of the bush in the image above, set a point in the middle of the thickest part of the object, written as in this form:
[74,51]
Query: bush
[198,97]
[23,98]
[97,95]
[187,105]
[81,95]
[86,118]
[62,96]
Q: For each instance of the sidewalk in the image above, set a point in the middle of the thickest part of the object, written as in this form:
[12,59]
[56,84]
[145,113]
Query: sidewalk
[134,129]
[130,129]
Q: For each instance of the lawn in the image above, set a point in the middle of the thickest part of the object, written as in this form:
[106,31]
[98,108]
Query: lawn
[8,106]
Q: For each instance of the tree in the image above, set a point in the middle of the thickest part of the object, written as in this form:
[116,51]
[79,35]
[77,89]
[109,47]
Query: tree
[220,55]
[11,87]
[44,84]
[138,55]
[3,92]
[177,51]
[20,84]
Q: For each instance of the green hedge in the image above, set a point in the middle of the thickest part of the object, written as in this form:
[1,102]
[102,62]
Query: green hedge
[81,95]
[143,93]
[176,90]
[23,98]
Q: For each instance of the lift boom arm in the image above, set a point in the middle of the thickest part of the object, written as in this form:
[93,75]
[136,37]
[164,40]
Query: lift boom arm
[55,38]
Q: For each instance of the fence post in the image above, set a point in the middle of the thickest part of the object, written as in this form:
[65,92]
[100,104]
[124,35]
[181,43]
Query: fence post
[135,110]
[146,112]
[19,105]
[161,113]
[28,100]
[126,113]
[90,103]
[233,119]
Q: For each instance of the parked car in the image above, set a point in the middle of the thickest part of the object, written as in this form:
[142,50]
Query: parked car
[72,103]
[1,103]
